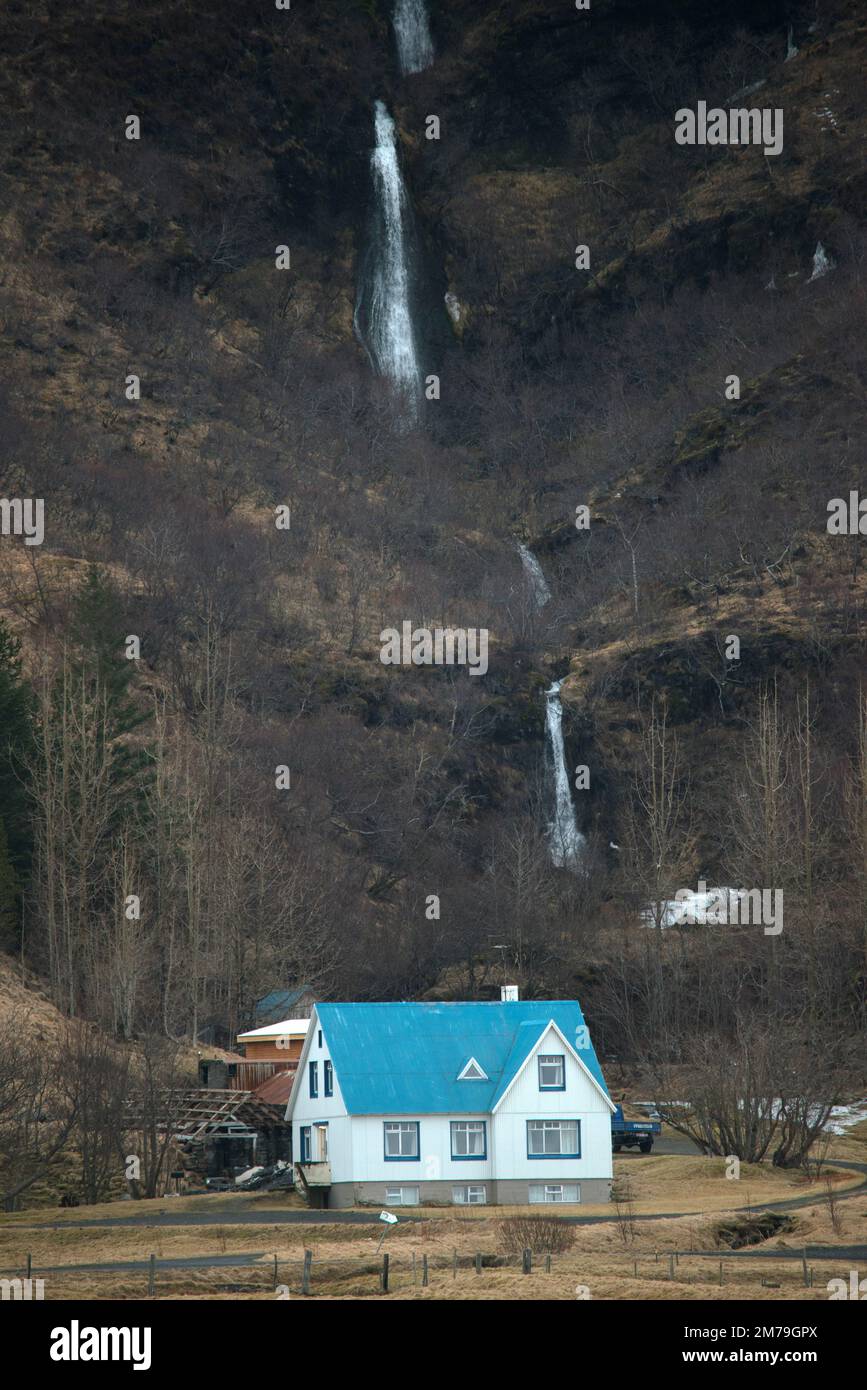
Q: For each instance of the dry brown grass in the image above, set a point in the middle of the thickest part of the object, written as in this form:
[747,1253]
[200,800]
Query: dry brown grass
[604,1276]
[346,1263]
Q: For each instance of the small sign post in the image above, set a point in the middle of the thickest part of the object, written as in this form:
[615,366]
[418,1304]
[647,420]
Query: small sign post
[390,1220]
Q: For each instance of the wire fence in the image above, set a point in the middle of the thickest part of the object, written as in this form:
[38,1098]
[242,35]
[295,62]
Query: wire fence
[364,1276]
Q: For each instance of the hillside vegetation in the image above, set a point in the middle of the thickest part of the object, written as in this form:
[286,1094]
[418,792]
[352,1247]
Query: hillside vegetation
[408,856]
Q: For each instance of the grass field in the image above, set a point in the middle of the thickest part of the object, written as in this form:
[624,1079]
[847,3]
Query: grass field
[573,1276]
[619,1258]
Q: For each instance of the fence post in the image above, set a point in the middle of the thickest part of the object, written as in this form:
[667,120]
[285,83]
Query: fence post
[720,1273]
[424,1273]
[527,1262]
[671,1266]
[547,1264]
[29,1264]
[275,1271]
[152,1276]
[478,1263]
[305,1273]
[384,1276]
[413,1267]
[455,1265]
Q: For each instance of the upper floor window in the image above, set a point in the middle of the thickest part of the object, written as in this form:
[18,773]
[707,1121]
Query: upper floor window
[401,1138]
[328,1078]
[552,1073]
[553,1138]
[468,1139]
[314,1079]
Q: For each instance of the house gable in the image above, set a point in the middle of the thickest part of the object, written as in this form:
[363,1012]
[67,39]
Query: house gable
[550,1040]
[301,1105]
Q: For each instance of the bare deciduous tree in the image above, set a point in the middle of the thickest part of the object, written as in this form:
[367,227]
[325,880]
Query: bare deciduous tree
[39,1103]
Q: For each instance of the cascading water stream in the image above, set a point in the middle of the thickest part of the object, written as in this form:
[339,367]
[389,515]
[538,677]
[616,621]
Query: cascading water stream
[535,576]
[412,33]
[566,841]
[383,313]
[383,317]
[822,263]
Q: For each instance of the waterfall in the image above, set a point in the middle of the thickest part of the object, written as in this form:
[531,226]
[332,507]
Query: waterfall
[412,33]
[822,263]
[566,841]
[383,319]
[536,578]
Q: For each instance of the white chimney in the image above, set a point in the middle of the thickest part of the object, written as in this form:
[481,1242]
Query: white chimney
[508,994]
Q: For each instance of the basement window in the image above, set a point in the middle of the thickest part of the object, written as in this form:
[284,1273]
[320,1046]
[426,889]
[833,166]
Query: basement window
[401,1196]
[472,1195]
[541,1192]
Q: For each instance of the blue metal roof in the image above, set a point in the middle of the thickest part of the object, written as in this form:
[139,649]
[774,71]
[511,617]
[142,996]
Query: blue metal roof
[279,1003]
[406,1058]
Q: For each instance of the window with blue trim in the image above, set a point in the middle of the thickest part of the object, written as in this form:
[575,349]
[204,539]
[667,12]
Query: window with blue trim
[553,1138]
[328,1078]
[400,1140]
[469,1139]
[314,1079]
[552,1072]
[305,1144]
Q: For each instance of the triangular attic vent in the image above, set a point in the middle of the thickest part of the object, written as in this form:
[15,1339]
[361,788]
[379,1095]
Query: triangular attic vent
[472,1072]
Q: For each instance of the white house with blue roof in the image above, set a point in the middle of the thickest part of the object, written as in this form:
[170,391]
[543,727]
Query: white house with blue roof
[455,1104]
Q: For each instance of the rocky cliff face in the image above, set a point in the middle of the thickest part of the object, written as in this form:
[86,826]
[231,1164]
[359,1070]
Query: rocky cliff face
[601,384]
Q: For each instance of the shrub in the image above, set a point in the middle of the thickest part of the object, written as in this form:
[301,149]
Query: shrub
[544,1235]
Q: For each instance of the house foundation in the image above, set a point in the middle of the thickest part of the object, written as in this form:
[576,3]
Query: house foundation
[504,1192]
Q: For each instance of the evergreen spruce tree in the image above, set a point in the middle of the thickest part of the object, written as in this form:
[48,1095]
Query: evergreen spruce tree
[97,632]
[10,904]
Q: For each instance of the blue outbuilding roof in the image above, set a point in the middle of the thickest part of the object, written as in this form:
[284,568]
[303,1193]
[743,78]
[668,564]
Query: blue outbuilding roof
[274,1007]
[406,1058]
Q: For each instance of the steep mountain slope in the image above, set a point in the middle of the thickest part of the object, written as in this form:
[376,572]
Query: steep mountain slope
[560,388]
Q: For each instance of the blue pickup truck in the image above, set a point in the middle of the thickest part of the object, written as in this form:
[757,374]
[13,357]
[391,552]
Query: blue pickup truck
[626,1134]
